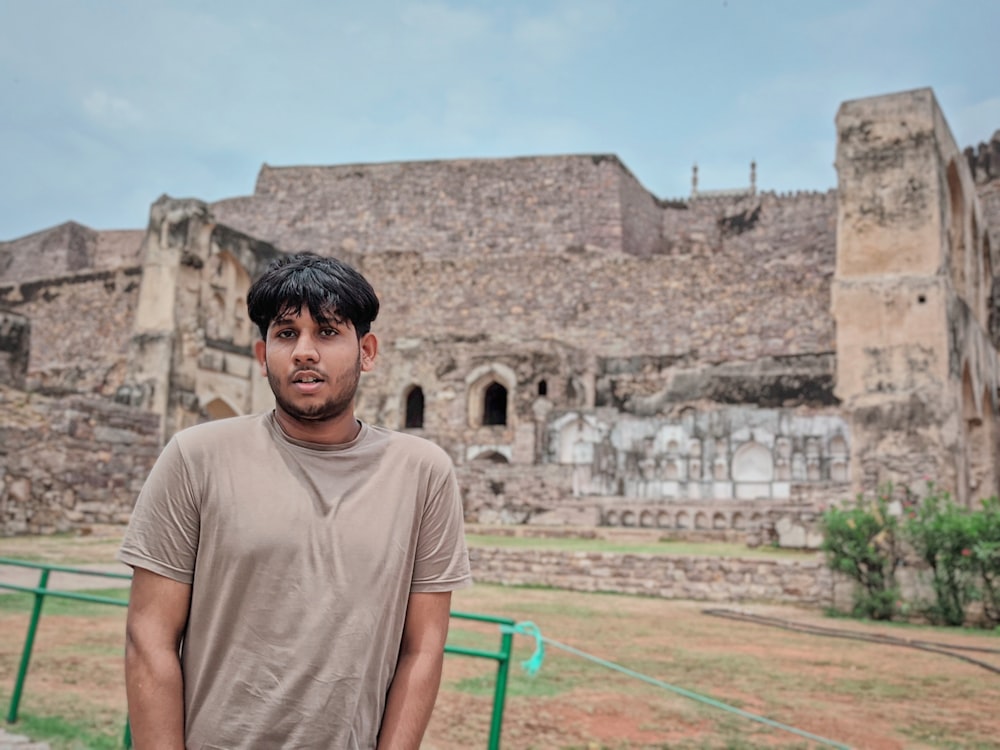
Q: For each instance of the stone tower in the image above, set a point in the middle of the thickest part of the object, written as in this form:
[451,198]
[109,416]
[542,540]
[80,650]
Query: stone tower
[916,369]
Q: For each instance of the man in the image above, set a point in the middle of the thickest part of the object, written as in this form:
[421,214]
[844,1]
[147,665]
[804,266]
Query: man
[294,569]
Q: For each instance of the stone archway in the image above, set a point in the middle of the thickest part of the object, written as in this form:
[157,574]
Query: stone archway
[219,408]
[490,395]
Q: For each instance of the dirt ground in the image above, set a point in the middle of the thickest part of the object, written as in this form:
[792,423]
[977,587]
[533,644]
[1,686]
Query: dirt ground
[854,693]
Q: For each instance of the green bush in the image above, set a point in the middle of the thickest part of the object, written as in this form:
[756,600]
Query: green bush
[960,548]
[986,557]
[862,541]
[944,535]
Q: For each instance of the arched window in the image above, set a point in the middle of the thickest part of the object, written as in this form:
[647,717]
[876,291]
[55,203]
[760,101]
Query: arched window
[495,404]
[493,457]
[217,408]
[489,395]
[415,408]
[543,387]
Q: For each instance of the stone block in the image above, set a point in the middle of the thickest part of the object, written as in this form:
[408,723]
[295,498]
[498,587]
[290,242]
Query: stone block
[722,490]
[752,490]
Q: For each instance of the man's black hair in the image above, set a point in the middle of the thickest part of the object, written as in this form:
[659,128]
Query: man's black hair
[328,288]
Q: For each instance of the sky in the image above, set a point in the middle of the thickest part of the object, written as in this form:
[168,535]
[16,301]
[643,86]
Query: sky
[107,104]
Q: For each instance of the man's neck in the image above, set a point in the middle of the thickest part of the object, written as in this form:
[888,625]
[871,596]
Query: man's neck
[337,431]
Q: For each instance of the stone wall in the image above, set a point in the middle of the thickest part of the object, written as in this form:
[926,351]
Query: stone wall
[743,319]
[762,293]
[67,249]
[485,206]
[81,329]
[493,494]
[641,224]
[69,462]
[710,579]
[733,310]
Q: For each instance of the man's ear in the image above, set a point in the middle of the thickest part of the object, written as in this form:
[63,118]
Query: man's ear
[260,350]
[369,348]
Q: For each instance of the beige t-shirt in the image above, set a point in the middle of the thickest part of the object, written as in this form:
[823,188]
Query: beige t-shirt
[301,558]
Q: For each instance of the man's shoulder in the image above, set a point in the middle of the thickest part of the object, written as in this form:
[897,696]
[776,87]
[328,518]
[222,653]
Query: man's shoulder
[220,432]
[413,446]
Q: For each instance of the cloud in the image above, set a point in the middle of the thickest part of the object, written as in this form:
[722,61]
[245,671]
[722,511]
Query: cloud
[444,25]
[190,97]
[563,32]
[113,111]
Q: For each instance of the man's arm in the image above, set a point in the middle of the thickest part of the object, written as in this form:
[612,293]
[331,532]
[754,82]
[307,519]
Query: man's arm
[157,616]
[418,672]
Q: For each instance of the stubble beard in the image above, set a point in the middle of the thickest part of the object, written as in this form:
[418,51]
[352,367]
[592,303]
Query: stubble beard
[345,388]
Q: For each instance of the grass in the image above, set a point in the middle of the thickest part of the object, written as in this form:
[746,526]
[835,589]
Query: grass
[99,546]
[57,605]
[541,686]
[63,734]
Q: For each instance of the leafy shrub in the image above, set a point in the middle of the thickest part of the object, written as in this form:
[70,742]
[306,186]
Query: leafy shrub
[862,541]
[944,536]
[959,546]
[986,557]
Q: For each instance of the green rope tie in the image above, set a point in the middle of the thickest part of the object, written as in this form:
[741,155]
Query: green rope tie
[532,665]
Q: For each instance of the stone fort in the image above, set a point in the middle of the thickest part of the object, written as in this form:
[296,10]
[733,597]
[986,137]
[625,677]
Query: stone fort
[589,354]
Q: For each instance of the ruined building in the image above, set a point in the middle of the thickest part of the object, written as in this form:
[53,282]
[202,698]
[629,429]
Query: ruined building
[586,352]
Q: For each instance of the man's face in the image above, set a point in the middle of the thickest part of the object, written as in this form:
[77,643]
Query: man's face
[313,366]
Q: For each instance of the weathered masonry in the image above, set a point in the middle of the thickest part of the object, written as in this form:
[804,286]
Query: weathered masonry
[587,352]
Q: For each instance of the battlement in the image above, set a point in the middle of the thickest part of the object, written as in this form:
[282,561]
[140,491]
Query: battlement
[984,160]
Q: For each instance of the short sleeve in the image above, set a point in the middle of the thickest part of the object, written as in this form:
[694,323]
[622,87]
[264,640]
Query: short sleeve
[442,559]
[162,534]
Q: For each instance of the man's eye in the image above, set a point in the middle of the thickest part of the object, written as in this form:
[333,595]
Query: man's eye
[286,334]
[329,331]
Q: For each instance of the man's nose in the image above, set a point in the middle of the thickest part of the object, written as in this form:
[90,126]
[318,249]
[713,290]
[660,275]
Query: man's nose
[305,349]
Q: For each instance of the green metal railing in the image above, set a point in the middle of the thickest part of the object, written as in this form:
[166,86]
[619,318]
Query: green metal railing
[40,592]
[501,656]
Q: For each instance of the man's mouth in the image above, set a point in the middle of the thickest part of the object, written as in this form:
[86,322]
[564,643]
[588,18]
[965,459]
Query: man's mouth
[307,378]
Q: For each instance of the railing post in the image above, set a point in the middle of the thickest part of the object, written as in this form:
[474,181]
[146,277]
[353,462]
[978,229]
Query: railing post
[500,690]
[29,642]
